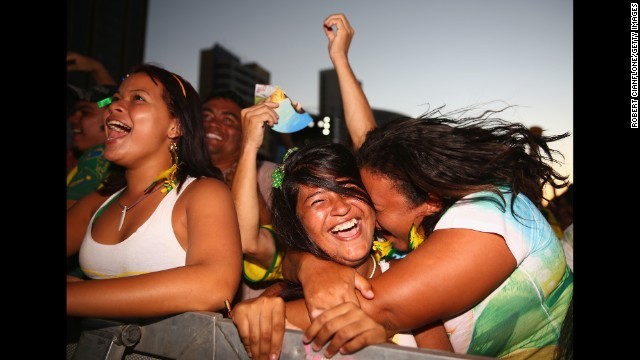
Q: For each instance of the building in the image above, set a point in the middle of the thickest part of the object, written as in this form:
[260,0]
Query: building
[110,32]
[222,70]
[331,110]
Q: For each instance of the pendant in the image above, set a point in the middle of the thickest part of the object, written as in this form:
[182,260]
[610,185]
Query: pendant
[124,213]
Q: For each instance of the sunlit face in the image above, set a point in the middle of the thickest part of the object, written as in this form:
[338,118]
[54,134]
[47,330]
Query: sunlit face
[394,213]
[341,226]
[223,128]
[138,122]
[87,125]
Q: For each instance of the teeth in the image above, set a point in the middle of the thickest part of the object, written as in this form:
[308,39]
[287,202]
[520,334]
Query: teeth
[345,225]
[117,126]
[213,136]
[77,131]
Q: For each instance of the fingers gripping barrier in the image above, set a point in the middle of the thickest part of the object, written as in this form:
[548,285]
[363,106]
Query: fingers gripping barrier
[207,335]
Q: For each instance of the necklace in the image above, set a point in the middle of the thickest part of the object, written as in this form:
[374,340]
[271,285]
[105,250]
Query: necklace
[125,208]
[375,266]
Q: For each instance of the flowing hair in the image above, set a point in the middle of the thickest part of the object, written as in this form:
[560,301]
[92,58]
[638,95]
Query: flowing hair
[450,156]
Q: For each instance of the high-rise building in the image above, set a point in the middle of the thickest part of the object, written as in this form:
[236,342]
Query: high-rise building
[331,108]
[222,70]
[112,32]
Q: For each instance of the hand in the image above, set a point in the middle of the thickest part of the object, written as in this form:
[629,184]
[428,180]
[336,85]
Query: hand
[327,284]
[348,328]
[254,119]
[261,324]
[339,40]
[77,62]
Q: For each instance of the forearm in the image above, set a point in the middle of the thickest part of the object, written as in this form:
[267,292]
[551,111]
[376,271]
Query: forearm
[292,265]
[297,314]
[188,288]
[357,111]
[101,75]
[245,197]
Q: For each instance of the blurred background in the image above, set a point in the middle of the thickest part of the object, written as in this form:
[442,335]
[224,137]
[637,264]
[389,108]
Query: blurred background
[410,56]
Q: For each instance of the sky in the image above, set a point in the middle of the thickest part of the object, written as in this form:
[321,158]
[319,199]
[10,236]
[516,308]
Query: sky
[410,55]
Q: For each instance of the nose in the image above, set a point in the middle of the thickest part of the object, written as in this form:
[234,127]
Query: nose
[341,205]
[211,118]
[115,106]
[75,117]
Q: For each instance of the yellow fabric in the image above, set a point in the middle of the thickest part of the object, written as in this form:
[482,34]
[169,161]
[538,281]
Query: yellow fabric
[256,273]
[71,174]
[555,224]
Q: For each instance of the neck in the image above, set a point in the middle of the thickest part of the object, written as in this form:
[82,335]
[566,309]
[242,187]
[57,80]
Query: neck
[367,267]
[139,179]
[224,164]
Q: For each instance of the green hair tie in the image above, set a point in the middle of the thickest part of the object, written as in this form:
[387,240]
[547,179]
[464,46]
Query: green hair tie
[278,173]
[104,102]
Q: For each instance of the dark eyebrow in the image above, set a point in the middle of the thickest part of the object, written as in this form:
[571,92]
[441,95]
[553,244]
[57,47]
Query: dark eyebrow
[133,90]
[84,107]
[224,112]
[231,114]
[320,191]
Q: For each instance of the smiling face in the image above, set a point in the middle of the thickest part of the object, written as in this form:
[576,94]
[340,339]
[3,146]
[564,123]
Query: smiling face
[138,123]
[341,226]
[87,125]
[223,129]
[393,211]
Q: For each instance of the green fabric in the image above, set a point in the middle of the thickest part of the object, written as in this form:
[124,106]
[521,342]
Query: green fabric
[92,168]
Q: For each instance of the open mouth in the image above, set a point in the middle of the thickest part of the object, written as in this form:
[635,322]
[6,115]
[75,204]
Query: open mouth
[213,136]
[346,229]
[116,125]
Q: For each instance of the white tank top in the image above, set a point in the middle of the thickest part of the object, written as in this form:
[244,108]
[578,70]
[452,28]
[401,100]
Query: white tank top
[152,247]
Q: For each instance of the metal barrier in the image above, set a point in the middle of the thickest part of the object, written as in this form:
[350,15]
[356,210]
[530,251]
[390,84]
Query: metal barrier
[208,335]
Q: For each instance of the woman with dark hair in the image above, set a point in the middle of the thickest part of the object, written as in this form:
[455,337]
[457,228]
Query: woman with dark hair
[459,195]
[320,207]
[146,235]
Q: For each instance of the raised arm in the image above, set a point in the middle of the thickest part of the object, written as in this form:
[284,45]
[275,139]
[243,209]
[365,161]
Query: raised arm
[357,112]
[77,62]
[257,242]
[211,273]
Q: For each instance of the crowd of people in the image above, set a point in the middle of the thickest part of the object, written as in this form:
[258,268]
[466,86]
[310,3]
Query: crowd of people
[177,212]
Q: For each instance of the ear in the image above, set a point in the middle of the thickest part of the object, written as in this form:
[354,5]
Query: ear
[431,206]
[174,129]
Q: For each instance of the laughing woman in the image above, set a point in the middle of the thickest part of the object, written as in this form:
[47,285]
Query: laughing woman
[145,239]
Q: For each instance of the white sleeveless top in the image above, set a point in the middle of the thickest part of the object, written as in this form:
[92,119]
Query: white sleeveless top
[152,247]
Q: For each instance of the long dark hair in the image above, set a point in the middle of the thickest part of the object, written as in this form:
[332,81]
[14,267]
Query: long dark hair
[330,166]
[448,158]
[183,102]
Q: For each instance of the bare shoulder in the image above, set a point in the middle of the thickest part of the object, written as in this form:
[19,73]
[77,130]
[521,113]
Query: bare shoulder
[205,185]
[204,189]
